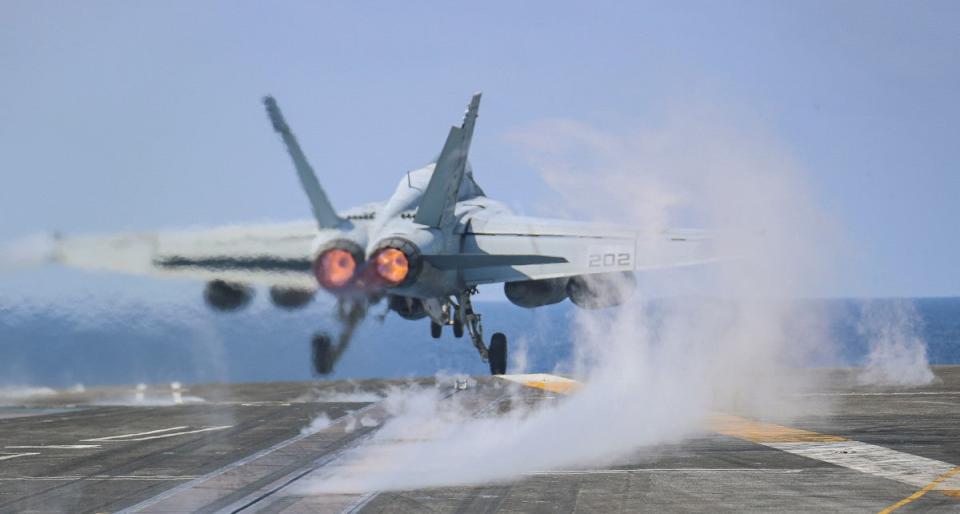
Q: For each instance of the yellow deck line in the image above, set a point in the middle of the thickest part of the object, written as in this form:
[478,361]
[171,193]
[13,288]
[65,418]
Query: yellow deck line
[553,387]
[735,426]
[929,487]
[758,432]
[546,382]
[805,443]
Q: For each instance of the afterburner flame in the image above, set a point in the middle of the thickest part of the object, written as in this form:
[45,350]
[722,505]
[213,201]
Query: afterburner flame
[335,268]
[391,265]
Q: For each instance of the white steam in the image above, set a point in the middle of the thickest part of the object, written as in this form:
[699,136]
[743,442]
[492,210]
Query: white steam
[898,353]
[27,251]
[730,339]
[317,424]
[738,332]
[18,393]
[519,356]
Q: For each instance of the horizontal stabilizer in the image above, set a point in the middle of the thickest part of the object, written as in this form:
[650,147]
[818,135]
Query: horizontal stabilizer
[322,209]
[483,260]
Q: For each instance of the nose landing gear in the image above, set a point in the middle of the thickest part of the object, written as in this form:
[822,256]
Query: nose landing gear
[326,349]
[324,352]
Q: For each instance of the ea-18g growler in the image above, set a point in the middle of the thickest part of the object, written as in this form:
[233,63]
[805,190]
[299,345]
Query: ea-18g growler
[424,251]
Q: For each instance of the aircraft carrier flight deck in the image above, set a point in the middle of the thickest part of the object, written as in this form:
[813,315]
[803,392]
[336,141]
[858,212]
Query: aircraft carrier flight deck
[243,448]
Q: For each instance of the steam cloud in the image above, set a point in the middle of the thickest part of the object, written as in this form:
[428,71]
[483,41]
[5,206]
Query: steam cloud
[27,251]
[729,338]
[898,354]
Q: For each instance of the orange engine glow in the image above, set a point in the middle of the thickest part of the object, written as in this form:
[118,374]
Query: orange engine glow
[335,268]
[391,265]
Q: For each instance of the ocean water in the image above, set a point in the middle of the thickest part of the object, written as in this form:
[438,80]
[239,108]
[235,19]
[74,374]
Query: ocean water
[91,341]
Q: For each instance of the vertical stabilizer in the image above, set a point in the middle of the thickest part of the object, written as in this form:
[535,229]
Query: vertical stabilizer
[322,209]
[440,198]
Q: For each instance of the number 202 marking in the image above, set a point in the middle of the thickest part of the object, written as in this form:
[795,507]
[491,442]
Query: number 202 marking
[606,260]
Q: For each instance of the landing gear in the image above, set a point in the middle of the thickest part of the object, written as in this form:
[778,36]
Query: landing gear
[459,313]
[471,319]
[498,354]
[325,353]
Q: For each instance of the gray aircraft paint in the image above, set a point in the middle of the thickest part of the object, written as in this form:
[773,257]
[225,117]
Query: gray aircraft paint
[467,229]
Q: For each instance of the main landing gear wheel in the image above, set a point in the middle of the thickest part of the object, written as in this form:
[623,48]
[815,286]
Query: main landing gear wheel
[457,328]
[436,329]
[323,354]
[498,354]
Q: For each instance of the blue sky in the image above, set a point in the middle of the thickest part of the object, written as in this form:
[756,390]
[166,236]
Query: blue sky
[135,115]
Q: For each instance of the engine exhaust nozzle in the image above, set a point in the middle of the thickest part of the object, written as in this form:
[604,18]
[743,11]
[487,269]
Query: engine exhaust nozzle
[337,264]
[395,262]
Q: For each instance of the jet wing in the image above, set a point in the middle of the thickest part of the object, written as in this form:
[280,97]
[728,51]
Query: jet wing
[568,248]
[277,254]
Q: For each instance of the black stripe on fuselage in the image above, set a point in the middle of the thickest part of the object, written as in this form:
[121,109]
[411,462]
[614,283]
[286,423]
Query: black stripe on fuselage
[483,260]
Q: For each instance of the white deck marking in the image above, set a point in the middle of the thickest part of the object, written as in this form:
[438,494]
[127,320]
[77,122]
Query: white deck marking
[885,393]
[876,460]
[124,436]
[174,434]
[665,470]
[53,446]
[879,461]
[866,458]
[71,478]
[199,481]
[15,455]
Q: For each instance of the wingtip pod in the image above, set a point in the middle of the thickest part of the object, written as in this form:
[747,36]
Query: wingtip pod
[474,106]
[276,117]
[470,119]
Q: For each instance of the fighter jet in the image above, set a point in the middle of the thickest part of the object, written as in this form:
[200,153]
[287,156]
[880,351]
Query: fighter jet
[424,251]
